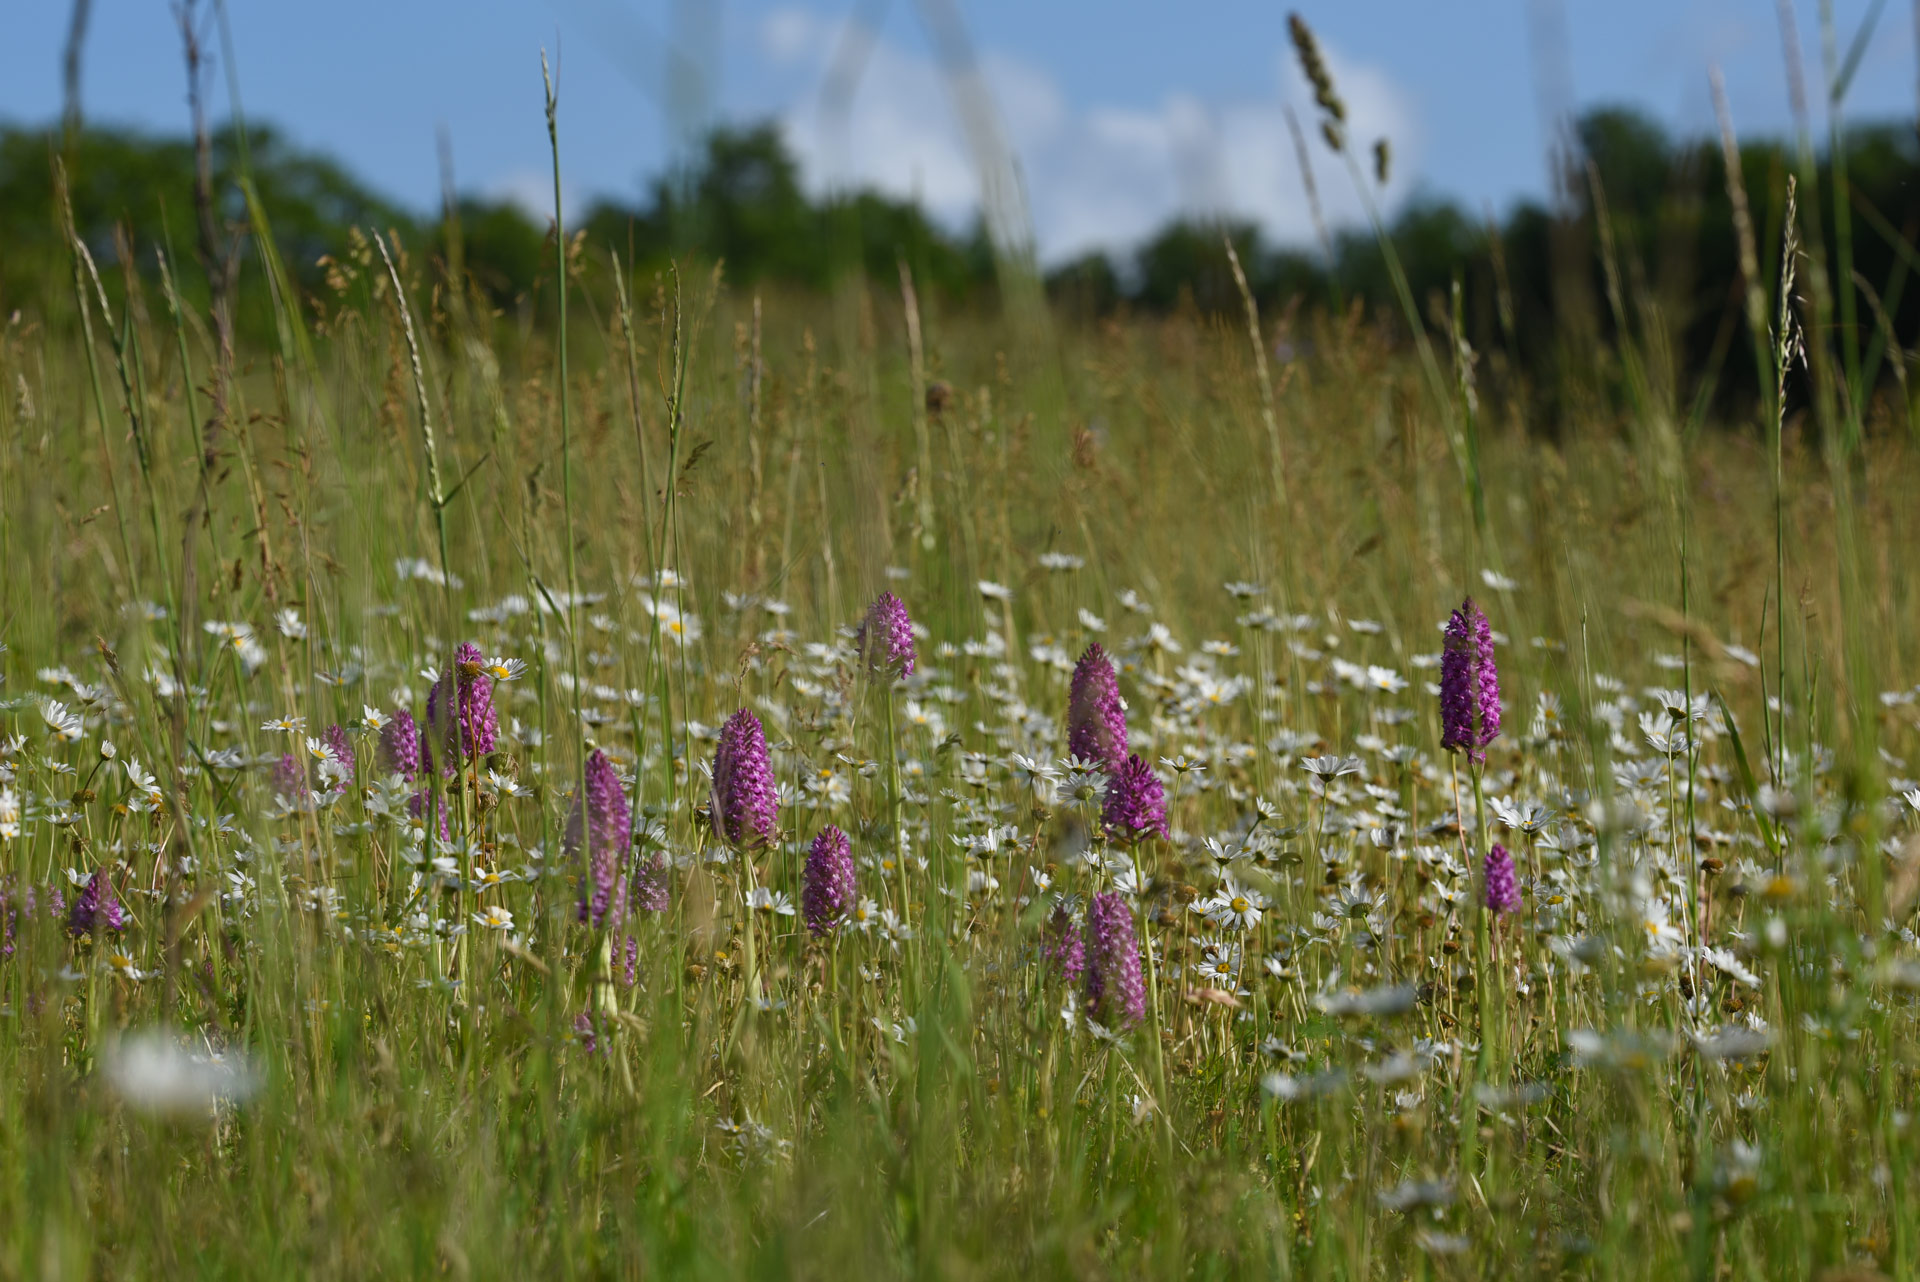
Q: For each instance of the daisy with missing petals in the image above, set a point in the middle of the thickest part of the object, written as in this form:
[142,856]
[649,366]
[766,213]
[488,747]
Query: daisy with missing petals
[285,725]
[373,720]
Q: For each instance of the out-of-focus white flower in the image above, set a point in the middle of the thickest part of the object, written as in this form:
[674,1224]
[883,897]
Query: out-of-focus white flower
[154,1073]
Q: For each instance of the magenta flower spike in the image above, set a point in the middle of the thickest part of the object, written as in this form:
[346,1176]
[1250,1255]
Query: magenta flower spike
[746,804]
[1116,994]
[1502,885]
[652,890]
[608,835]
[400,745]
[1064,945]
[478,720]
[1096,719]
[1469,684]
[288,779]
[342,750]
[1135,807]
[98,910]
[829,881]
[885,639]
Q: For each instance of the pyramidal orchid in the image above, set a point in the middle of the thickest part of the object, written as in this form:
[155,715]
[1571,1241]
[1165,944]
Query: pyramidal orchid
[885,639]
[1064,945]
[829,881]
[477,719]
[1096,718]
[607,832]
[1116,994]
[97,910]
[1469,684]
[1135,806]
[746,804]
[400,745]
[1502,885]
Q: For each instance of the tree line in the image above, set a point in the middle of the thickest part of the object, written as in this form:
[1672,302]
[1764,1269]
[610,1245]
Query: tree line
[1640,245]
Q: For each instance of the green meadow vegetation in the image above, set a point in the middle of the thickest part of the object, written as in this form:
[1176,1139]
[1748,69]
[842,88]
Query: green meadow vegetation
[470,806]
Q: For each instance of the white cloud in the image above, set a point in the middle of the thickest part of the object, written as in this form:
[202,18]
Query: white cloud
[1097,176]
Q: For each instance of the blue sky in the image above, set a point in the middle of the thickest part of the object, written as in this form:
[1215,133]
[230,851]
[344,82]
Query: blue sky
[1120,114]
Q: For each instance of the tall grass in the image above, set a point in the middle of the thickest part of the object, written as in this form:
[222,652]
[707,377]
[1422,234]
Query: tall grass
[666,525]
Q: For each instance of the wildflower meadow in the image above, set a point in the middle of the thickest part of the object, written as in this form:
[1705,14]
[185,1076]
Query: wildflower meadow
[716,782]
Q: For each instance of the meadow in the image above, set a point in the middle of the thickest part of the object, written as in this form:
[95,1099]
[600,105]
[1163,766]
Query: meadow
[724,783]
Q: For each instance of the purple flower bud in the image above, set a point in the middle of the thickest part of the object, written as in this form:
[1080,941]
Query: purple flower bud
[1116,996]
[1096,719]
[1503,887]
[1469,684]
[1064,946]
[288,779]
[97,910]
[336,741]
[400,745]
[885,640]
[1135,806]
[829,877]
[479,721]
[746,804]
[609,835]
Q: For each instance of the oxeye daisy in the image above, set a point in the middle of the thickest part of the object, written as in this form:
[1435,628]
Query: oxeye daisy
[494,917]
[1235,907]
[770,901]
[505,669]
[65,725]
